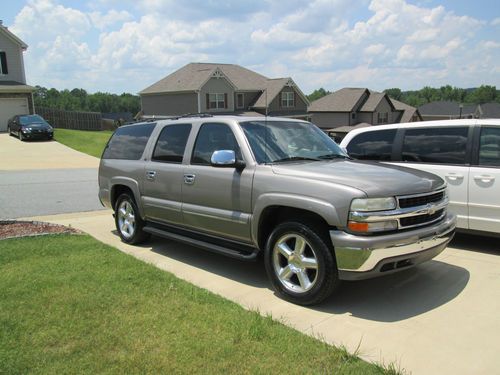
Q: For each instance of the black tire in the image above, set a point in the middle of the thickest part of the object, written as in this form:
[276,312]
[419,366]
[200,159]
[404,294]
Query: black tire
[9,131]
[317,247]
[21,138]
[129,233]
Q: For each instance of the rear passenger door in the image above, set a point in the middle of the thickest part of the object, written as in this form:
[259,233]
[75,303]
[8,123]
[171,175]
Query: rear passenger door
[444,151]
[163,175]
[484,181]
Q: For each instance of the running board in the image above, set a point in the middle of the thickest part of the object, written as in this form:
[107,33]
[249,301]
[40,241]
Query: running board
[223,250]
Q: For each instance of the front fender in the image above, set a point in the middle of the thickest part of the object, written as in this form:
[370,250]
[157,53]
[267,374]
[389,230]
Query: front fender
[323,208]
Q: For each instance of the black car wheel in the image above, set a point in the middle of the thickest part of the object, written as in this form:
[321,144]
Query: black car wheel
[300,263]
[128,221]
[21,137]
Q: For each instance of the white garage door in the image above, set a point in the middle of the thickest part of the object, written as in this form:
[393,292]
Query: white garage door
[11,107]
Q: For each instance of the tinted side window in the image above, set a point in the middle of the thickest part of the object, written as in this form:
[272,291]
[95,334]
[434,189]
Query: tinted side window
[213,137]
[375,145]
[489,147]
[435,145]
[172,143]
[128,142]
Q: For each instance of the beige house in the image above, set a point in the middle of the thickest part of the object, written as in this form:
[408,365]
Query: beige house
[349,107]
[222,89]
[15,96]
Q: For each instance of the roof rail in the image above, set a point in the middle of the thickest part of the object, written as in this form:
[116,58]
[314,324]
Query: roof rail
[193,115]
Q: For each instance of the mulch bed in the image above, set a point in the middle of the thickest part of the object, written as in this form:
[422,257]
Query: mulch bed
[15,229]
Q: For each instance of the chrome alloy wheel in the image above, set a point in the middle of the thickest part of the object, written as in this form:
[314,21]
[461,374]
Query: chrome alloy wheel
[126,219]
[295,263]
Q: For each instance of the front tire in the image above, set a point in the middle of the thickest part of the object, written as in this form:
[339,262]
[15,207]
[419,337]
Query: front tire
[300,262]
[21,137]
[128,221]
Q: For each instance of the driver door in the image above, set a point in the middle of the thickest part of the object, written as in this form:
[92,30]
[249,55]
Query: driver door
[217,200]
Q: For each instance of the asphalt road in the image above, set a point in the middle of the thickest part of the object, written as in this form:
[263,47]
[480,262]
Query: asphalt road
[47,191]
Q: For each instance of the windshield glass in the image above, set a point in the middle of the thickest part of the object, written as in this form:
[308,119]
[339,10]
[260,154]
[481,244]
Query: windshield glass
[279,141]
[31,119]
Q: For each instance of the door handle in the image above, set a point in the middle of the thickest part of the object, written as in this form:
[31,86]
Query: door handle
[454,176]
[189,179]
[151,175]
[484,178]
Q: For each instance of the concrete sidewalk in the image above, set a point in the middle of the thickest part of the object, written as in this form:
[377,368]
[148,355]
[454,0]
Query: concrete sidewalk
[440,318]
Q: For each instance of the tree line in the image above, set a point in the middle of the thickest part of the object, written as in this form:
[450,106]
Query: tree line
[81,100]
[479,95]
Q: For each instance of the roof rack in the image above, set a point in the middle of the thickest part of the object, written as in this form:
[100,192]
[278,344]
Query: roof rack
[192,115]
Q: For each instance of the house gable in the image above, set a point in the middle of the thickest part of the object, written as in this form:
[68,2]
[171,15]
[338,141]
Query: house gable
[11,56]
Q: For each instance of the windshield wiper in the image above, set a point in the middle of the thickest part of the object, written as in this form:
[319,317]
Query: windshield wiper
[333,156]
[294,158]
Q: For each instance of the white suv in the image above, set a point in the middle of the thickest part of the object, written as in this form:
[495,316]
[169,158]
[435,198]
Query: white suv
[465,153]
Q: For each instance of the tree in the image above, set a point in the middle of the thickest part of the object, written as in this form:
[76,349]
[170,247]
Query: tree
[394,93]
[316,94]
[483,94]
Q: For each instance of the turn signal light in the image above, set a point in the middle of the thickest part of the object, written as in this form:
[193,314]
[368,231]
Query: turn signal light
[358,227]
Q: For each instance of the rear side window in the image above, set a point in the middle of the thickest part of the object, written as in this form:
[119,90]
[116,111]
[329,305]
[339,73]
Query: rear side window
[374,145]
[435,145]
[172,143]
[128,142]
[213,137]
[489,147]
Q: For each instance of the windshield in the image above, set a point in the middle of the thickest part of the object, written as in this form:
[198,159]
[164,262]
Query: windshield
[279,141]
[31,119]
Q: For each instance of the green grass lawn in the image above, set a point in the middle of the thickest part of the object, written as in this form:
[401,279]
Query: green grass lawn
[89,142]
[70,304]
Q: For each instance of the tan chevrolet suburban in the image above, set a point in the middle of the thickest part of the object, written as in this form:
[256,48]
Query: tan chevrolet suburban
[245,186]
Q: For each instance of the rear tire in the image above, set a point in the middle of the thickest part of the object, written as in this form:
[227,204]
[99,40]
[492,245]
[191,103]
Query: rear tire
[128,221]
[300,262]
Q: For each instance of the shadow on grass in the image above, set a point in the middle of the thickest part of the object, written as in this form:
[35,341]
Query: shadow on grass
[390,298]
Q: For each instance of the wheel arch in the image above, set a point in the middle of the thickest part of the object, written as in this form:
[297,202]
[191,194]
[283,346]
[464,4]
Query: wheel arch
[120,186]
[275,209]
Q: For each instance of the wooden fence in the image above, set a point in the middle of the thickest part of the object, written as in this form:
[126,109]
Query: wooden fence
[71,119]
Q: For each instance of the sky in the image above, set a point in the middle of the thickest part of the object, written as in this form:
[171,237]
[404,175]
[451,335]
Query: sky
[126,45]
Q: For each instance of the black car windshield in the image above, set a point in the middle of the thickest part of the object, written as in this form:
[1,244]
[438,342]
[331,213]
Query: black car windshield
[281,141]
[32,119]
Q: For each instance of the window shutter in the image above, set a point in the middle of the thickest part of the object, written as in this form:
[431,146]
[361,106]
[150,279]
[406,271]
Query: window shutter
[280,99]
[208,101]
[225,100]
[3,57]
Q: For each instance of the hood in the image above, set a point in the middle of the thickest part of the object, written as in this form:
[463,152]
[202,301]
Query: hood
[376,180]
[37,125]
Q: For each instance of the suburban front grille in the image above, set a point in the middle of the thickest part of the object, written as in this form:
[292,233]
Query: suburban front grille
[420,219]
[420,200]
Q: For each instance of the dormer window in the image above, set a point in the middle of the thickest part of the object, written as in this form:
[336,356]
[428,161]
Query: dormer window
[3,63]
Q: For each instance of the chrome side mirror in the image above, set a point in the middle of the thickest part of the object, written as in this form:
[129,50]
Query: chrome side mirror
[227,159]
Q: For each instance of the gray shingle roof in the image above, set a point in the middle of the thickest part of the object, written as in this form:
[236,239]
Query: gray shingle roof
[191,77]
[490,110]
[343,100]
[407,110]
[446,108]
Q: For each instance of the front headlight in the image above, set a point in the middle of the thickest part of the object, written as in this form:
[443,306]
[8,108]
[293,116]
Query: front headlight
[26,130]
[373,204]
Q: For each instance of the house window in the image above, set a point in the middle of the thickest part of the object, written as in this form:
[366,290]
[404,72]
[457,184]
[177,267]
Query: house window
[353,115]
[288,99]
[240,100]
[383,118]
[216,101]
[3,63]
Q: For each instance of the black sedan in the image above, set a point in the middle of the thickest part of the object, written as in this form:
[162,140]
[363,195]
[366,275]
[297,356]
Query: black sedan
[30,127]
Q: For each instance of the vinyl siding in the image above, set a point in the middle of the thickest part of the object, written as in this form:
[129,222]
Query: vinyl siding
[170,104]
[329,120]
[15,64]
[217,86]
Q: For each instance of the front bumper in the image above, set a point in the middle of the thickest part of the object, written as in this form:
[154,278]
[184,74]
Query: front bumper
[363,257]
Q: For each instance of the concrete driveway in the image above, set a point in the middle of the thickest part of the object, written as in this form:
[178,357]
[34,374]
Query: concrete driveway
[439,318]
[45,177]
